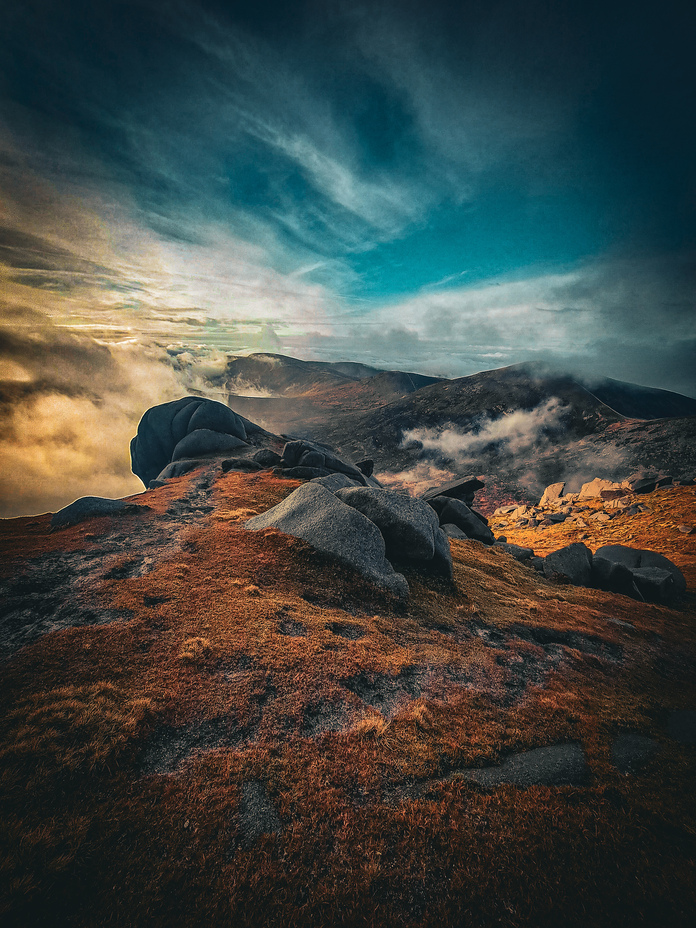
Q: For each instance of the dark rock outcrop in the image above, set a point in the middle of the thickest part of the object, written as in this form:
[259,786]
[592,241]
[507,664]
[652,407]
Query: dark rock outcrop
[163,427]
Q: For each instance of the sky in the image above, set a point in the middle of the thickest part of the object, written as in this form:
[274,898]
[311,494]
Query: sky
[432,186]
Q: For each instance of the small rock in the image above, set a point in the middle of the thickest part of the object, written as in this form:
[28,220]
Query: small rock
[630,752]
[266,458]
[685,529]
[459,514]
[243,464]
[516,551]
[593,489]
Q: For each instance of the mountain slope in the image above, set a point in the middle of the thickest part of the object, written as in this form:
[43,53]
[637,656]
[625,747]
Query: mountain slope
[225,728]
[637,402]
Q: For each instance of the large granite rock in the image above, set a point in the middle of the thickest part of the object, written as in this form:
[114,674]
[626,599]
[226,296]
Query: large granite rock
[552,494]
[408,525]
[163,427]
[316,515]
[614,578]
[642,563]
[572,563]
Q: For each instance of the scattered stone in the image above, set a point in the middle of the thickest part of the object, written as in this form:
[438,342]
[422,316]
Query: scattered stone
[91,507]
[308,455]
[556,518]
[301,472]
[617,504]
[686,529]
[552,493]
[630,752]
[642,482]
[622,624]
[592,489]
[601,517]
[613,493]
[573,563]
[504,510]
[313,513]
[178,469]
[556,765]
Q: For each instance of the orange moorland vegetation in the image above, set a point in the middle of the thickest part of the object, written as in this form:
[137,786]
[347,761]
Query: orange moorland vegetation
[226,728]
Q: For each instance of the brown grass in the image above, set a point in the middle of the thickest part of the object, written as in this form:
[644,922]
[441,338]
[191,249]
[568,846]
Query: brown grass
[90,838]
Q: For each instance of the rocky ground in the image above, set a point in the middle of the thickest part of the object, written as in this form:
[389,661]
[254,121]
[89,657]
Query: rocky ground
[203,724]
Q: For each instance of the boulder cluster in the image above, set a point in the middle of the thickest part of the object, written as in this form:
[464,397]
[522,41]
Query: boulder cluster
[642,574]
[556,507]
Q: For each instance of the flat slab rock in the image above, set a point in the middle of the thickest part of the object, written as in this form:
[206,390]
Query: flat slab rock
[556,765]
[631,751]
[257,814]
[463,486]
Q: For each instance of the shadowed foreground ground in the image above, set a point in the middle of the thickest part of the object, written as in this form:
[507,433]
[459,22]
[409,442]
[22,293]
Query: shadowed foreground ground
[205,726]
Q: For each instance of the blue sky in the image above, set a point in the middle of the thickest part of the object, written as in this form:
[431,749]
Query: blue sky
[443,187]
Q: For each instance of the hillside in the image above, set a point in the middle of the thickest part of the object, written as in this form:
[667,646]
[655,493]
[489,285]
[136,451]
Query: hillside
[207,725]
[530,426]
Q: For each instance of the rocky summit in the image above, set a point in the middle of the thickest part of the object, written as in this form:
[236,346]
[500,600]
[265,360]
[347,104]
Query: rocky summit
[271,690]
